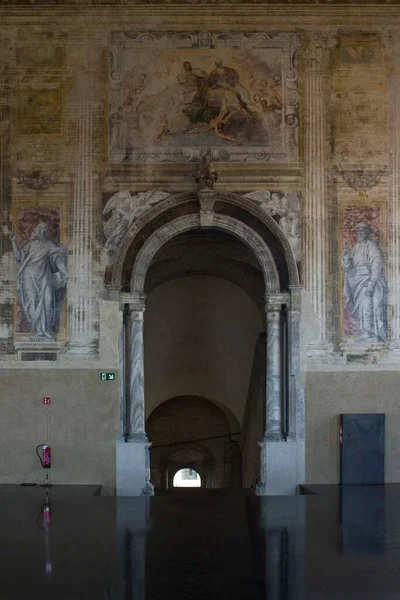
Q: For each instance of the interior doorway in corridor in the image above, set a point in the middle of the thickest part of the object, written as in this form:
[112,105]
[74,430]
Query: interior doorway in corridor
[203,320]
[186,478]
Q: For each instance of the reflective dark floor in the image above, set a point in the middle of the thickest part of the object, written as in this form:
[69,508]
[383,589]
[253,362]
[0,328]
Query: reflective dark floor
[338,544]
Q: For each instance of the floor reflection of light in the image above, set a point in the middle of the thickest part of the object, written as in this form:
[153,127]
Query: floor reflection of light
[187,478]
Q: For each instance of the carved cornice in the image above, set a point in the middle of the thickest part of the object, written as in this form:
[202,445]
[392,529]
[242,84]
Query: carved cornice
[273,16]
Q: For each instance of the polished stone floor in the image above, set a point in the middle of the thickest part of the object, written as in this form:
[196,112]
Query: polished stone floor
[335,544]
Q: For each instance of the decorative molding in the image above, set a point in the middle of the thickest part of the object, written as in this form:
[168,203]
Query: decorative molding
[361,179]
[136,302]
[37,180]
[273,302]
[206,174]
[207,200]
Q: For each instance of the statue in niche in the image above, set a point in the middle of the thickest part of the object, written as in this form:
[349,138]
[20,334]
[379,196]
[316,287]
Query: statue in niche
[285,208]
[125,209]
[41,279]
[365,289]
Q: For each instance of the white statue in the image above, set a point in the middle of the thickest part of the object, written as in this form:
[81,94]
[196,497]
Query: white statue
[125,209]
[42,280]
[365,290]
[285,206]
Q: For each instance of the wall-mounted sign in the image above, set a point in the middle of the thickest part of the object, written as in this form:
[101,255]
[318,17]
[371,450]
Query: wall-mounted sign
[107,376]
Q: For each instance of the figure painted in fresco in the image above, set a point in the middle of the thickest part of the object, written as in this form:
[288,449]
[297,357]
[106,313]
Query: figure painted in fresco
[365,290]
[202,102]
[285,208]
[125,209]
[42,280]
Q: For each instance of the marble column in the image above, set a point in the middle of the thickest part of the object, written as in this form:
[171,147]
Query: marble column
[122,373]
[273,430]
[278,466]
[393,47]
[135,412]
[6,260]
[133,457]
[86,192]
[316,50]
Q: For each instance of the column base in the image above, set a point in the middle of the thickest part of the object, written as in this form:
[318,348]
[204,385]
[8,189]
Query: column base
[82,348]
[132,467]
[278,468]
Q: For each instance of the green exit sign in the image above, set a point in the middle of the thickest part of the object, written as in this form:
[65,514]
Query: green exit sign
[107,376]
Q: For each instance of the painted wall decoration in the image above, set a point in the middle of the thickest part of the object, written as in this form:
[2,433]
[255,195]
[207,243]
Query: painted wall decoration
[45,50]
[172,94]
[359,83]
[39,111]
[285,208]
[120,211]
[365,292]
[41,271]
[363,49]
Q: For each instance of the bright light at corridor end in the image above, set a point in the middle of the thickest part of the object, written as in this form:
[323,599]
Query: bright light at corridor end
[187,478]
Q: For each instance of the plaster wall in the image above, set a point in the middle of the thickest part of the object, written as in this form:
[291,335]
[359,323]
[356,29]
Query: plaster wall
[330,393]
[83,425]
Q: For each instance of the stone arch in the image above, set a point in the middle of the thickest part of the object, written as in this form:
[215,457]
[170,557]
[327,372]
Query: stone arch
[177,200]
[235,215]
[222,222]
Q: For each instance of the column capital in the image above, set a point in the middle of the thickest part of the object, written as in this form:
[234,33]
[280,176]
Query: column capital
[273,301]
[136,302]
[295,297]
[317,48]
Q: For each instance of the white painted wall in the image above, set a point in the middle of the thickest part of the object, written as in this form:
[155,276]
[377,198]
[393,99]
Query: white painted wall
[199,338]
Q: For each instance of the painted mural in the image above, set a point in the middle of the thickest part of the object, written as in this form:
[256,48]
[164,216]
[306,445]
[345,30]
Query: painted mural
[41,271]
[120,212]
[173,94]
[285,209]
[365,292]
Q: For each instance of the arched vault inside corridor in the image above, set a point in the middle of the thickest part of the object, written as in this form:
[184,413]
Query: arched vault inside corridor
[203,319]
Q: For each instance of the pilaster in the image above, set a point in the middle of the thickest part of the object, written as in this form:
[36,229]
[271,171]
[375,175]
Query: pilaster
[86,191]
[316,55]
[6,263]
[393,47]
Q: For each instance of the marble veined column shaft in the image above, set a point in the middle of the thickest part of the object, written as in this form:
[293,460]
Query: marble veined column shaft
[132,452]
[136,425]
[316,57]
[273,431]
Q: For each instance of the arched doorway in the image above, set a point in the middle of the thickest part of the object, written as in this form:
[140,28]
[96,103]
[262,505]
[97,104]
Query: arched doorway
[282,446]
[194,432]
[186,478]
